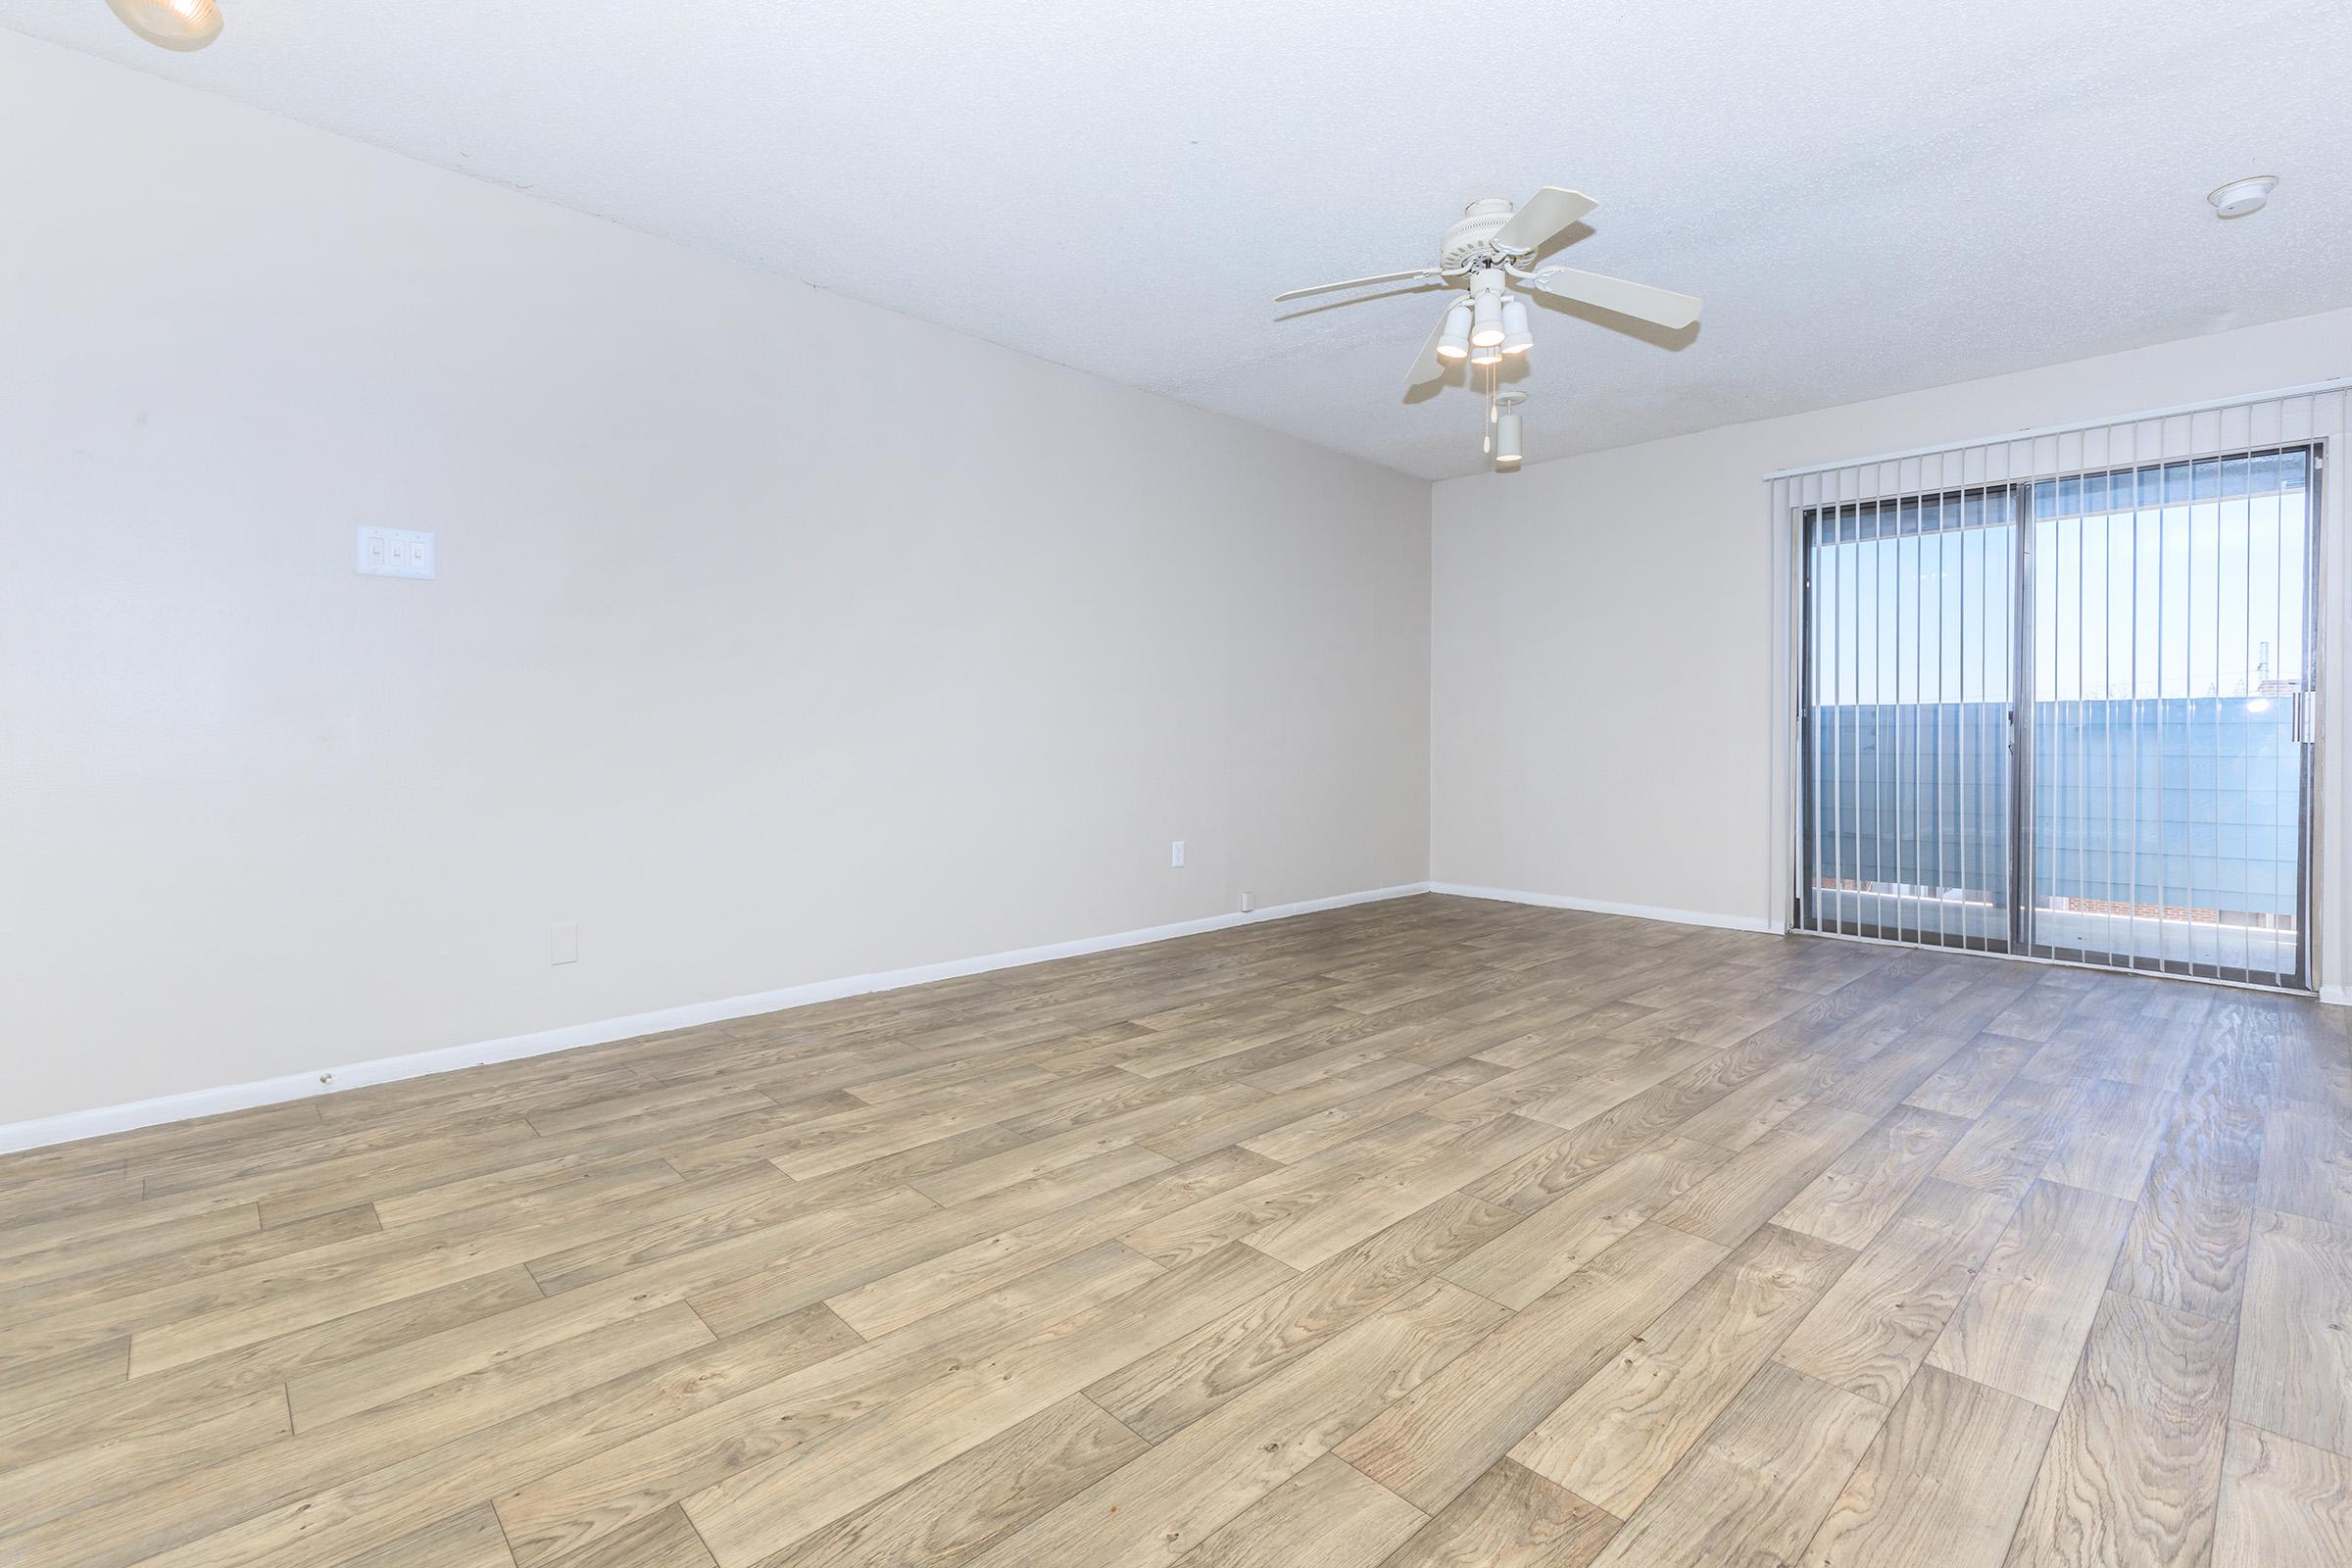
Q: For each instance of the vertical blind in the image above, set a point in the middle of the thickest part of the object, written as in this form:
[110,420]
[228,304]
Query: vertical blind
[2053,691]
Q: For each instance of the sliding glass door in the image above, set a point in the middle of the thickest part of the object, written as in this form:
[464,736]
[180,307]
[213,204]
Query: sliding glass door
[2130,652]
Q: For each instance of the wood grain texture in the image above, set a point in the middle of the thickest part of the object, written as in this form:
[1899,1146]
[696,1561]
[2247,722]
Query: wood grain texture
[1326,1516]
[1431,1232]
[1758,1482]
[967,1503]
[2021,1326]
[1442,1435]
[2294,1342]
[1873,1328]
[2282,1502]
[1510,1517]
[2132,1474]
[1942,1483]
[1614,1438]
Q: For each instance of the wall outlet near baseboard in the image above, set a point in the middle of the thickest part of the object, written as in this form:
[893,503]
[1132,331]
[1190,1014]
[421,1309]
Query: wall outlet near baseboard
[563,943]
[1176,854]
[1249,901]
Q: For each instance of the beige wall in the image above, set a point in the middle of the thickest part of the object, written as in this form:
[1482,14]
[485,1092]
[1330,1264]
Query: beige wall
[776,637]
[1603,673]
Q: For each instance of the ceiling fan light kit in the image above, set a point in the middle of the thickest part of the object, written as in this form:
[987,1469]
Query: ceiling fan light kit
[1454,333]
[181,25]
[1489,248]
[1516,338]
[1506,441]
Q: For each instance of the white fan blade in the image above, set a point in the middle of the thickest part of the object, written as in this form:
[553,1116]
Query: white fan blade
[1547,212]
[1356,282]
[1660,305]
[1428,368]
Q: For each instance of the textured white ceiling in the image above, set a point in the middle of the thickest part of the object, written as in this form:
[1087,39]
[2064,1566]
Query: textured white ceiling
[1871,197]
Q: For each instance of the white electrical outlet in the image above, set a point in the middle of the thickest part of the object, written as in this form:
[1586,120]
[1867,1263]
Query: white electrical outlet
[1249,901]
[563,943]
[394,553]
[1176,854]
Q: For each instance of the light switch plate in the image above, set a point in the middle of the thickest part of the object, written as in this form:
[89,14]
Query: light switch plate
[394,553]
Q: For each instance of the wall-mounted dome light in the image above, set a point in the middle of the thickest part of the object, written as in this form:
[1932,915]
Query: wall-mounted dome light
[181,25]
[2240,197]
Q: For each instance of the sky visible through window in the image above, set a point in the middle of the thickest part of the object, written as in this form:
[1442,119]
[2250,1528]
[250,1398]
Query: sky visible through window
[2199,599]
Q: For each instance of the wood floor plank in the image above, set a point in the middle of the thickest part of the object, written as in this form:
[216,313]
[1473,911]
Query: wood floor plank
[1755,1486]
[1438,1440]
[468,1539]
[1942,1483]
[358,1485]
[1296,1140]
[561,1512]
[2010,1143]
[41,1382]
[2133,1475]
[1617,1436]
[1745,1190]
[666,1540]
[122,1406]
[2186,1245]
[1970,1081]
[1326,1516]
[1872,1329]
[2294,1342]
[64,1480]
[2307,1162]
[936,1283]
[1850,1202]
[1510,1517]
[1194,1483]
[966,1504]
[1163,1391]
[1566,1234]
[1422,1175]
[2021,1326]
[2110,1142]
[2282,1502]
[792,1458]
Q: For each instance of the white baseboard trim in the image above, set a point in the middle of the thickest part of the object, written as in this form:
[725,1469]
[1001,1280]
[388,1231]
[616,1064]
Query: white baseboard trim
[2336,996]
[1637,911]
[75,1126]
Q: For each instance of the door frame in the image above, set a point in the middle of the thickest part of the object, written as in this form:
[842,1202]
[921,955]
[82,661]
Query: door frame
[1794,736]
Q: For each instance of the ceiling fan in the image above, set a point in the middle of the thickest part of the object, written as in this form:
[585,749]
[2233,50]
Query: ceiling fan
[1490,248]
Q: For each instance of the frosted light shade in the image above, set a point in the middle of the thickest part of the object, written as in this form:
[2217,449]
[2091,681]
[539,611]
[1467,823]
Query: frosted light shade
[170,23]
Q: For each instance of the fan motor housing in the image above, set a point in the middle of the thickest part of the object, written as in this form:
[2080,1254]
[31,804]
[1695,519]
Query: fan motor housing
[1473,233]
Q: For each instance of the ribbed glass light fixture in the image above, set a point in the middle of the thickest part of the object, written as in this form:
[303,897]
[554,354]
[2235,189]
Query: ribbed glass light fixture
[181,25]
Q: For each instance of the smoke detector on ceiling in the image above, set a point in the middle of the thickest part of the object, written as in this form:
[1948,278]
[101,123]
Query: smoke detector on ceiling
[2243,196]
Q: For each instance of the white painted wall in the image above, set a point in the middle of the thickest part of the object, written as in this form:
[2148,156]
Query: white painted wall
[1603,646]
[776,637]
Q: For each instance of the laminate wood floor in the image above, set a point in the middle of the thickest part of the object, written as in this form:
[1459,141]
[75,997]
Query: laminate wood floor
[1433,1232]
